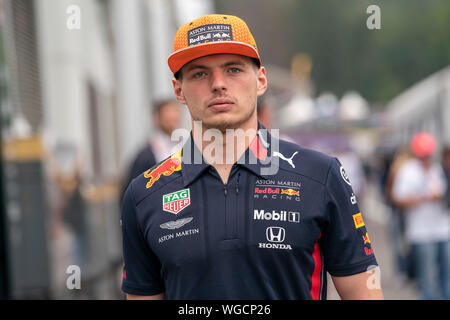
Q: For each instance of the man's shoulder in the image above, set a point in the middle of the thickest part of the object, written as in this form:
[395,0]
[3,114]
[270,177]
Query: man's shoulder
[162,174]
[304,161]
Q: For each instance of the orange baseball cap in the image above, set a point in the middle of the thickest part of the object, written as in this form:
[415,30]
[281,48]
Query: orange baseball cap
[423,144]
[212,34]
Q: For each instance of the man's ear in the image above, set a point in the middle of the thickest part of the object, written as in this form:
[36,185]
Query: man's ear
[262,81]
[177,90]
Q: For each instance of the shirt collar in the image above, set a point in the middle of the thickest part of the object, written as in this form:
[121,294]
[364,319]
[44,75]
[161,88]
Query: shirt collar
[255,159]
[193,163]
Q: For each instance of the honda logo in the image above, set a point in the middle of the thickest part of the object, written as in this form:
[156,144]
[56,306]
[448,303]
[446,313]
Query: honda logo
[275,234]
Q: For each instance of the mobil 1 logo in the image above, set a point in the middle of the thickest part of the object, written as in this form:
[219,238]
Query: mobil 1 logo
[282,215]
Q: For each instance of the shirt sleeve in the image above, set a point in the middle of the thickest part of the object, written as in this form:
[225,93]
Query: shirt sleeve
[347,247]
[141,273]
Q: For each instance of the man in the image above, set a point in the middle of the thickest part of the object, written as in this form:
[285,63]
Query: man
[419,189]
[237,214]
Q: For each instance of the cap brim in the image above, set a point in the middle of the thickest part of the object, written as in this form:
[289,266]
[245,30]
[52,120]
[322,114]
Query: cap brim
[179,58]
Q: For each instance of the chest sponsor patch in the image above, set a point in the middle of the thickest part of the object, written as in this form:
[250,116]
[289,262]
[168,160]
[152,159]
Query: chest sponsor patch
[176,201]
[275,237]
[278,183]
[277,190]
[282,215]
[176,224]
[267,190]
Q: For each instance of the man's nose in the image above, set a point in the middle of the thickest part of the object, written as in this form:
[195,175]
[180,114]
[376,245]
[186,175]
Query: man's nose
[218,82]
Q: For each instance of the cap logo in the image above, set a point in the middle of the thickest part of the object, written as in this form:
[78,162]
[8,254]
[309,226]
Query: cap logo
[210,33]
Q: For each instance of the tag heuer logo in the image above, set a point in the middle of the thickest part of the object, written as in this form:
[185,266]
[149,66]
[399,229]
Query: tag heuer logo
[176,201]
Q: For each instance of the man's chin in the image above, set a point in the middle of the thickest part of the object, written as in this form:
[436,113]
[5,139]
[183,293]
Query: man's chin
[226,120]
[222,123]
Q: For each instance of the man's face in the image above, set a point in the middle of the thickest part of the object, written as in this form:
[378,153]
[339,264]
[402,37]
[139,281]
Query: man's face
[169,117]
[221,90]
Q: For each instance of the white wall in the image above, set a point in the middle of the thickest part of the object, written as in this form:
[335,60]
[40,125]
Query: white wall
[69,59]
[133,92]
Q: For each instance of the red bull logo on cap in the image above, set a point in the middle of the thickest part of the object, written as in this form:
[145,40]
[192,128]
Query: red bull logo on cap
[166,168]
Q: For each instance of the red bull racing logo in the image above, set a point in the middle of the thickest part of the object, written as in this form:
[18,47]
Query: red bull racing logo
[267,190]
[290,192]
[368,250]
[166,168]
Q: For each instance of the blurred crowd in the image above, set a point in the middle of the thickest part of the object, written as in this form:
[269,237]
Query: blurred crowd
[415,184]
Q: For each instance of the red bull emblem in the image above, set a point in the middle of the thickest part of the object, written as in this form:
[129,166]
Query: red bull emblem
[290,192]
[166,168]
[366,238]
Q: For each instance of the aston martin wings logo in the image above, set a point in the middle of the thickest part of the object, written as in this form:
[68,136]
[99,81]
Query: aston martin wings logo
[176,224]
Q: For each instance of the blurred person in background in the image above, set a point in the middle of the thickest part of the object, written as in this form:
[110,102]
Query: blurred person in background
[419,189]
[397,220]
[167,117]
[74,214]
[446,165]
[264,112]
[69,201]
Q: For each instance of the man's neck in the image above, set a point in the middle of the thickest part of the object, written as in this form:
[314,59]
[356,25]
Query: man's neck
[223,149]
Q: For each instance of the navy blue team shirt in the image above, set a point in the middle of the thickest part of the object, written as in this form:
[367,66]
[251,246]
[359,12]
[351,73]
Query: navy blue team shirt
[263,235]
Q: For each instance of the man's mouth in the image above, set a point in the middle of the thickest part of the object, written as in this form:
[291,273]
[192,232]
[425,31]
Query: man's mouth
[221,104]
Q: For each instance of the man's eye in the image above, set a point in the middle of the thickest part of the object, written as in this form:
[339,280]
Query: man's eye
[235,70]
[199,74]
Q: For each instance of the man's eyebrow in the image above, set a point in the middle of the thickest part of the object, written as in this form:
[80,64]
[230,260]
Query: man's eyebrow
[226,64]
[233,63]
[196,66]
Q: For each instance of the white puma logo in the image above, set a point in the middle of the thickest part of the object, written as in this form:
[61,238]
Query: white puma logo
[289,160]
[264,143]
